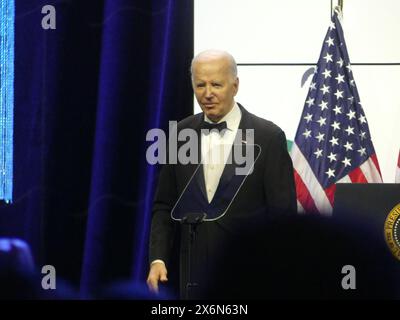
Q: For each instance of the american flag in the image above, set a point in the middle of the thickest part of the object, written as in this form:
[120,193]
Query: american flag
[332,143]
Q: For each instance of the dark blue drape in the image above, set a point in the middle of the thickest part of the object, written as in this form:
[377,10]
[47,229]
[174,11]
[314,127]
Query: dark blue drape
[86,94]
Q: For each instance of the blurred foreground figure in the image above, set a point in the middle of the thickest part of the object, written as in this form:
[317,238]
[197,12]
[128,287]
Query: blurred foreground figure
[19,280]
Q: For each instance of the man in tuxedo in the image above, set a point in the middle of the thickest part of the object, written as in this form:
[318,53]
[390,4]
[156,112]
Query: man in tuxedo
[264,194]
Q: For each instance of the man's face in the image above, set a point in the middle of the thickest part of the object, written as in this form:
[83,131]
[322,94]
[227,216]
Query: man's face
[214,87]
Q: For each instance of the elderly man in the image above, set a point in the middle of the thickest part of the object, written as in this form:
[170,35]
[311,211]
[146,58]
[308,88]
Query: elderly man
[268,191]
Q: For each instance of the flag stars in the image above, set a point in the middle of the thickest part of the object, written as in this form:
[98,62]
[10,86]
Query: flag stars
[307,134]
[362,119]
[332,25]
[338,94]
[349,68]
[334,141]
[323,105]
[352,83]
[325,89]
[310,102]
[321,121]
[335,125]
[318,153]
[327,73]
[340,62]
[330,173]
[330,42]
[363,135]
[332,157]
[362,151]
[320,137]
[351,99]
[351,114]
[308,117]
[313,86]
[328,57]
[346,162]
[349,130]
[348,146]
[340,78]
[337,110]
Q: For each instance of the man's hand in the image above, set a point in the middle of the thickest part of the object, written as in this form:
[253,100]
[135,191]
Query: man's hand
[158,272]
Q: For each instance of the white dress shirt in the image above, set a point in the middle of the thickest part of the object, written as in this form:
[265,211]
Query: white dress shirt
[215,149]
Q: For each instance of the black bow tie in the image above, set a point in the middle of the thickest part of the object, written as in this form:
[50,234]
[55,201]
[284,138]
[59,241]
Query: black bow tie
[214,126]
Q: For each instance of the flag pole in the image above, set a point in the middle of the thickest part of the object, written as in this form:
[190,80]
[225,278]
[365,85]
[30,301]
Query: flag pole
[339,9]
[340,4]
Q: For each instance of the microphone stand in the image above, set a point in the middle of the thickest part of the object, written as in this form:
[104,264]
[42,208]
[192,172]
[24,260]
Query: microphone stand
[193,220]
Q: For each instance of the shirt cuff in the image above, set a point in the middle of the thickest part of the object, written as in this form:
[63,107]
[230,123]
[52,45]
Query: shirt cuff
[157,261]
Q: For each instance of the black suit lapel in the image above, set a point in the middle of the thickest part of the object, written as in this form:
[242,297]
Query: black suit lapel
[197,169]
[230,168]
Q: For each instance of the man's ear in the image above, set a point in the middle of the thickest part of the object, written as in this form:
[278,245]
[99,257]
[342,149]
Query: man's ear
[236,85]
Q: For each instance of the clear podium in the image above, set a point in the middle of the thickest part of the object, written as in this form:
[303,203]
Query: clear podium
[195,212]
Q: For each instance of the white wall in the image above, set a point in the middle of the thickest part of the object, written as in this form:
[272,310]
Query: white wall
[292,31]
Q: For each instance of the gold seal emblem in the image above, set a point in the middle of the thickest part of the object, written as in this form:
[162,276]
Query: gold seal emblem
[392,231]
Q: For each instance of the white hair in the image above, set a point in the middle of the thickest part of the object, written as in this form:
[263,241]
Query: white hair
[212,54]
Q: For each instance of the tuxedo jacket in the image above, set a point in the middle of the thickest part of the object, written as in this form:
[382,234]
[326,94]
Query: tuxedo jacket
[267,192]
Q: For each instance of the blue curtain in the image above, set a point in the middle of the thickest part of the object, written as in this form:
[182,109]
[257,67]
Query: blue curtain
[86,93]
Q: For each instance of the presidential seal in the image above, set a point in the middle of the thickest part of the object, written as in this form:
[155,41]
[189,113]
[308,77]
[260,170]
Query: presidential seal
[392,231]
